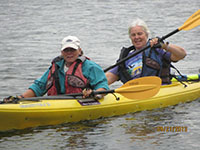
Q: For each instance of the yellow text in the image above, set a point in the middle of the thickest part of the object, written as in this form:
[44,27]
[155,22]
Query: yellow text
[172,128]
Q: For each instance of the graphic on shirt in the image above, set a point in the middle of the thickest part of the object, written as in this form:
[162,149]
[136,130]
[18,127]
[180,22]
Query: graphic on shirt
[134,65]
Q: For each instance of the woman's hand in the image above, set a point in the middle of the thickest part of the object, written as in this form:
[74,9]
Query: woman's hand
[11,99]
[86,92]
[157,43]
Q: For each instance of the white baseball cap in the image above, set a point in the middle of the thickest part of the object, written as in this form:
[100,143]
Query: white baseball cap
[70,41]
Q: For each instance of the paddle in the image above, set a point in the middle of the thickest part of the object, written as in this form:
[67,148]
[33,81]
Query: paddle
[140,88]
[192,22]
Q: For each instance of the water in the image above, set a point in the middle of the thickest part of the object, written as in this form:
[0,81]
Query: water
[31,33]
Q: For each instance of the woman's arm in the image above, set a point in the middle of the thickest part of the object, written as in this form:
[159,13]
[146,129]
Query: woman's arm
[111,77]
[28,93]
[177,53]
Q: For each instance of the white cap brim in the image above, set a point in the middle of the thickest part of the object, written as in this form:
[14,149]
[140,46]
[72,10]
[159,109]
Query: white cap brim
[71,45]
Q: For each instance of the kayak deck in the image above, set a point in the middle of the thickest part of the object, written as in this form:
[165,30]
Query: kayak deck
[51,112]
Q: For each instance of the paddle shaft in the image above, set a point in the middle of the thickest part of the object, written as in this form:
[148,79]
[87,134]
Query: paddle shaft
[139,51]
[65,96]
[126,58]
[94,93]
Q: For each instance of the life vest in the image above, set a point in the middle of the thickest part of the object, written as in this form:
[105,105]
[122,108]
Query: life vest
[75,81]
[152,65]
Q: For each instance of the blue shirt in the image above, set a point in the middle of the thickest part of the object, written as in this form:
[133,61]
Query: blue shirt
[92,71]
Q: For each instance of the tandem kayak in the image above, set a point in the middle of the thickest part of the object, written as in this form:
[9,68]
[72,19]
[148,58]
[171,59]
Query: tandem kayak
[52,110]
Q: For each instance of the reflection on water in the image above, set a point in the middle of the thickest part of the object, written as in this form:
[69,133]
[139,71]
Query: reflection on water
[103,133]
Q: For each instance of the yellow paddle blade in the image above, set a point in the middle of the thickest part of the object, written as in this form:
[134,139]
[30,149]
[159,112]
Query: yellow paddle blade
[192,22]
[194,15]
[140,88]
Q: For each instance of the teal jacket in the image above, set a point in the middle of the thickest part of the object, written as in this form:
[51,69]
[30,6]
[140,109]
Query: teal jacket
[92,71]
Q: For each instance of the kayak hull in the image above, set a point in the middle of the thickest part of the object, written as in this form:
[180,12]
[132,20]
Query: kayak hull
[51,112]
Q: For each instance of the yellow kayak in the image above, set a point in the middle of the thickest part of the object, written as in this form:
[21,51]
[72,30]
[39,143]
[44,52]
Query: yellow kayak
[62,109]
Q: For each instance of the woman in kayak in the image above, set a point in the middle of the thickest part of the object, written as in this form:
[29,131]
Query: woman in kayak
[154,61]
[69,73]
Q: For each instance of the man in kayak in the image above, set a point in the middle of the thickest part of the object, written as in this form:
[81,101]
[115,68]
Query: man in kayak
[154,61]
[71,72]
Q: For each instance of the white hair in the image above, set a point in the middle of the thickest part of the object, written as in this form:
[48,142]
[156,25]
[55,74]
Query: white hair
[139,22]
